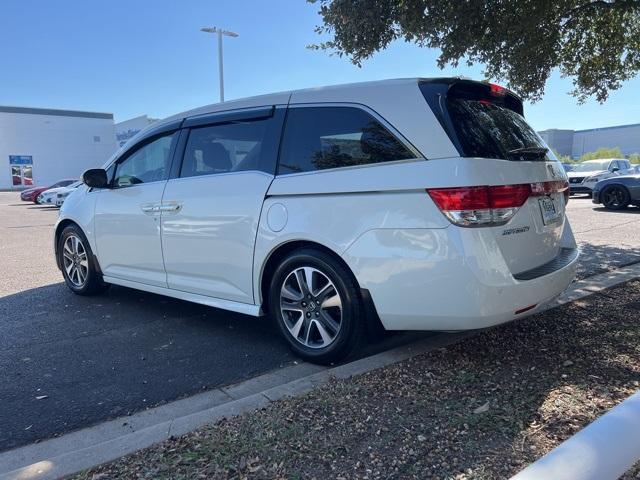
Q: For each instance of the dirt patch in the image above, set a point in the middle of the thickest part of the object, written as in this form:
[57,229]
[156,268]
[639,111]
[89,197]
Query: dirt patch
[481,409]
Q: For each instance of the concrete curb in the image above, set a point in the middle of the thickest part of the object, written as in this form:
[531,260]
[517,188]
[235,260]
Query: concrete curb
[603,450]
[110,440]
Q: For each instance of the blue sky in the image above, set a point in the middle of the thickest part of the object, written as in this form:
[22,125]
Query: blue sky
[148,57]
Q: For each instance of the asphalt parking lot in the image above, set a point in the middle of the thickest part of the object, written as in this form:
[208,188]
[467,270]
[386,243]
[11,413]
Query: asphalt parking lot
[70,362]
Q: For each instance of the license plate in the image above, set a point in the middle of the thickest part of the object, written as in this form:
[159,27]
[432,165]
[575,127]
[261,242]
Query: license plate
[550,213]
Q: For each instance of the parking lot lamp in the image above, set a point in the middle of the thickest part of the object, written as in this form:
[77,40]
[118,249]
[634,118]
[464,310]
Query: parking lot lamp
[220,33]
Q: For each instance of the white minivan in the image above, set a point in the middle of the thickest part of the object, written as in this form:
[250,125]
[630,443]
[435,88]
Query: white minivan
[420,204]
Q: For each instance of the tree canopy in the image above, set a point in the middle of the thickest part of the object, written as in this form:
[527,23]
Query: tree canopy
[594,42]
[603,152]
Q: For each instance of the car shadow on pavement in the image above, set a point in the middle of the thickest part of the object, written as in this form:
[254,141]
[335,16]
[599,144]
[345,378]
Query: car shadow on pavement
[599,258]
[632,209]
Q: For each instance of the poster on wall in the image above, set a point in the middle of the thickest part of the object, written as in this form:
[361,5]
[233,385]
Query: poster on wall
[21,170]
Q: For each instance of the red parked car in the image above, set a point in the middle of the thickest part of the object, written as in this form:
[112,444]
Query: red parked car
[31,194]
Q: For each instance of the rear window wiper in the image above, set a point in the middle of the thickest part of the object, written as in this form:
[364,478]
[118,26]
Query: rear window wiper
[538,151]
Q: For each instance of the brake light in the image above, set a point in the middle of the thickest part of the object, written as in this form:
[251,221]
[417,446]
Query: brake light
[497,90]
[547,188]
[489,205]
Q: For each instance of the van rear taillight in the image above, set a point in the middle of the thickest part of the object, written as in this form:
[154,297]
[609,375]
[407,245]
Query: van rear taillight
[547,188]
[489,205]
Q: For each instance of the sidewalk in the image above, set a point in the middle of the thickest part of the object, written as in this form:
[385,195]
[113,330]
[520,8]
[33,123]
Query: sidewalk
[481,409]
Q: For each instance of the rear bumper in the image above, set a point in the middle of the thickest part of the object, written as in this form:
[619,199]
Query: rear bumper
[439,279]
[579,189]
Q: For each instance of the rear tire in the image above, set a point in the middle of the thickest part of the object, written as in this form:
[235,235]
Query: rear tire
[317,305]
[78,264]
[615,197]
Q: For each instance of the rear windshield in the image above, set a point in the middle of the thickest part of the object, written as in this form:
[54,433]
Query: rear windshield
[486,121]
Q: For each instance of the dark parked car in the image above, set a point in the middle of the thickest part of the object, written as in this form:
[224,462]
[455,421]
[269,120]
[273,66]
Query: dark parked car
[31,194]
[617,193]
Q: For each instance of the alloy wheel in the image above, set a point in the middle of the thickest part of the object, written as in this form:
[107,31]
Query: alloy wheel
[311,307]
[614,197]
[76,262]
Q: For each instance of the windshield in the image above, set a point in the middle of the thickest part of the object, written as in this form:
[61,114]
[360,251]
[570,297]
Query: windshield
[591,166]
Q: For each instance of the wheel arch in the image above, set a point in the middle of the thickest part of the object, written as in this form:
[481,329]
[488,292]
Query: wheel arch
[281,251]
[373,323]
[62,224]
[615,184]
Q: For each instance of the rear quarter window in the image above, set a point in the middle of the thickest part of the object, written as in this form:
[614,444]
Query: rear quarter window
[319,138]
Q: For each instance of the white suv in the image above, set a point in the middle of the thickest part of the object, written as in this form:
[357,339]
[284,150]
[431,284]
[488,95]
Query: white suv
[584,175]
[421,204]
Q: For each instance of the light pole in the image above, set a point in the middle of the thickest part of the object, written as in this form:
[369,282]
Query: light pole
[220,33]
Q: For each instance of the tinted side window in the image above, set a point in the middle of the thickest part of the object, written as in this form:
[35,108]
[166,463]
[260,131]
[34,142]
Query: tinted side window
[317,138]
[229,147]
[149,163]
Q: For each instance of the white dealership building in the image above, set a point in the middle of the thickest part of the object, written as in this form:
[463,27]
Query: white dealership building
[576,143]
[39,146]
[129,128]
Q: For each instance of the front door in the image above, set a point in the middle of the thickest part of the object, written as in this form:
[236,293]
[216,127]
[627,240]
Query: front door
[211,212]
[127,215]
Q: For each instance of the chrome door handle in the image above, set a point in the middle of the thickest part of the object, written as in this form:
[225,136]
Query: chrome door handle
[150,208]
[170,207]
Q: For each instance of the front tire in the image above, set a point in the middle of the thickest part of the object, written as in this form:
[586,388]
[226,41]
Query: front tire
[615,197]
[317,305]
[78,264]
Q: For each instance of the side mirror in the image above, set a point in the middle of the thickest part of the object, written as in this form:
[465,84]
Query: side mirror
[614,169]
[95,178]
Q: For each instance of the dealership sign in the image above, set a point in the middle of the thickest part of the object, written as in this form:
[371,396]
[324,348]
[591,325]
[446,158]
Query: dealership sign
[20,160]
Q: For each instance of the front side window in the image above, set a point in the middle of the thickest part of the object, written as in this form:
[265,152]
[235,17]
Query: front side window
[228,147]
[318,138]
[149,163]
[624,165]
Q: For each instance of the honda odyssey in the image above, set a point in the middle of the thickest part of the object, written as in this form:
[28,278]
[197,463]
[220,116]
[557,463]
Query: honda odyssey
[420,204]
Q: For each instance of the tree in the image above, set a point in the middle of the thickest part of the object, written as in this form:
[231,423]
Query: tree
[595,42]
[602,153]
[562,158]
